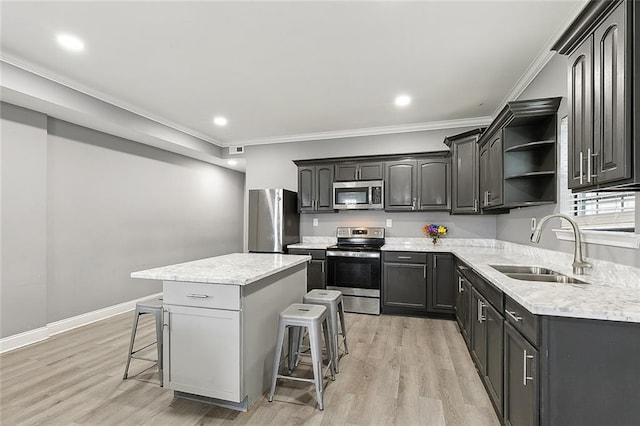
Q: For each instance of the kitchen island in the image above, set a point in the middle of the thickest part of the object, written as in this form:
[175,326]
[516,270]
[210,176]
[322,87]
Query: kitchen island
[220,323]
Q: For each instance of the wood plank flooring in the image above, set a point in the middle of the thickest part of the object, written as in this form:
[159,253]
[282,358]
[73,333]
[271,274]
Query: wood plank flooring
[400,371]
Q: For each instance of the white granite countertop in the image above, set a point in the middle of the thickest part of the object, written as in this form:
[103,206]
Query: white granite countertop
[612,292]
[234,269]
[314,243]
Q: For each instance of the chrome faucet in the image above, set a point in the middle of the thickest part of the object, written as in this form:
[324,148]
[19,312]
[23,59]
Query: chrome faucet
[579,265]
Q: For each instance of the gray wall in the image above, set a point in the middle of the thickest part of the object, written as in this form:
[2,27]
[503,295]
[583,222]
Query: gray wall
[515,227]
[82,209]
[271,166]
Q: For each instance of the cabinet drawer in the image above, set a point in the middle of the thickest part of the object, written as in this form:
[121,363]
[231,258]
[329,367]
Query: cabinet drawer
[217,296]
[524,321]
[404,257]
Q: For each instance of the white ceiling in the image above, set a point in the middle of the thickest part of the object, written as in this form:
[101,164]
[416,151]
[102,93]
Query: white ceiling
[283,70]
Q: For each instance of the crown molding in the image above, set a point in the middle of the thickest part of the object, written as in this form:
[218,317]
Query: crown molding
[540,61]
[33,69]
[369,131]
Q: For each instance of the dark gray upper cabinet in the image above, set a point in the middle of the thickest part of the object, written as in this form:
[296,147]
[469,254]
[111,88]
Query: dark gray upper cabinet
[359,171]
[315,188]
[421,184]
[465,176]
[440,284]
[581,112]
[518,155]
[401,185]
[602,45]
[434,184]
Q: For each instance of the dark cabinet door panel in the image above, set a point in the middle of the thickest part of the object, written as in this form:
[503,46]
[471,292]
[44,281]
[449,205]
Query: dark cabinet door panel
[346,172]
[324,187]
[520,380]
[494,361]
[400,185]
[464,177]
[404,286]
[306,184]
[496,170]
[316,278]
[613,161]
[371,171]
[433,184]
[440,284]
[581,112]
[478,331]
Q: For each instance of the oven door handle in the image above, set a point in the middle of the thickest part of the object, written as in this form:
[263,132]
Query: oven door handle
[360,254]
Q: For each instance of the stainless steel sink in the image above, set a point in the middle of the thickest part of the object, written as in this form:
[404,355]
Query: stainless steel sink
[517,269]
[551,278]
[535,273]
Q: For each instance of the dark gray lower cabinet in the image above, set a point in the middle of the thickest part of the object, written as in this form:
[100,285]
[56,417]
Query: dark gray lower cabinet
[478,331]
[440,285]
[463,305]
[494,358]
[404,285]
[316,275]
[417,283]
[520,380]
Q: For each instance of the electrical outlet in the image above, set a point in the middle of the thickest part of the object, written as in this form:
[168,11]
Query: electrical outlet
[315,221]
[389,223]
[534,223]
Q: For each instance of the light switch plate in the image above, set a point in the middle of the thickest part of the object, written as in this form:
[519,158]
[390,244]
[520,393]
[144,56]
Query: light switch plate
[315,221]
[389,223]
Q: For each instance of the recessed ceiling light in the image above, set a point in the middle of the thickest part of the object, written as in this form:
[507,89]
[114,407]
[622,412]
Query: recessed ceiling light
[232,162]
[70,42]
[402,100]
[220,121]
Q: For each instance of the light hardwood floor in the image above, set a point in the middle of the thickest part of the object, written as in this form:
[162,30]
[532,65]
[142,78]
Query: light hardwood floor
[400,371]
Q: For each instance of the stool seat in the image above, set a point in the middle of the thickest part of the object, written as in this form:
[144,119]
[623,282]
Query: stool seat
[150,305]
[318,295]
[303,313]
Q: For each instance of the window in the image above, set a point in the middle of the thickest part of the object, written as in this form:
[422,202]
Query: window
[612,211]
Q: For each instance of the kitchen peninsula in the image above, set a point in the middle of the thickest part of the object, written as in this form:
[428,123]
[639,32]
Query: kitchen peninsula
[220,322]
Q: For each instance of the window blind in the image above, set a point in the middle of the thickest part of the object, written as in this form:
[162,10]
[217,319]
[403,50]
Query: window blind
[610,210]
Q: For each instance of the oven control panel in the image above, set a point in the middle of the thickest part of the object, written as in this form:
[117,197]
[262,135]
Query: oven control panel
[360,232]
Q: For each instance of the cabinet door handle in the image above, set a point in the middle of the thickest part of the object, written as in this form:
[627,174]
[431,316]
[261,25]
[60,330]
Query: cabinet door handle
[525,357]
[404,257]
[588,165]
[165,318]
[435,262]
[198,296]
[581,161]
[413,204]
[424,271]
[475,204]
[323,262]
[460,289]
[513,315]
[589,157]
[481,305]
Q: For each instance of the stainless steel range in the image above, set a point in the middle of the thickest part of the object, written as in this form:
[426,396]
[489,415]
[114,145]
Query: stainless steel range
[354,267]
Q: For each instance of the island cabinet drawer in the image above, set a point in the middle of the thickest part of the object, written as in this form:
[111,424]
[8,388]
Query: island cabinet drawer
[404,257]
[524,321]
[202,295]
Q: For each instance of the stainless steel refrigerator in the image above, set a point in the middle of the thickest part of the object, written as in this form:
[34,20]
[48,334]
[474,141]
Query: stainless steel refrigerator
[274,221]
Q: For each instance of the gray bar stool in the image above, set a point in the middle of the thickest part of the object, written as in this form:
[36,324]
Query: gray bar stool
[148,307]
[332,300]
[297,317]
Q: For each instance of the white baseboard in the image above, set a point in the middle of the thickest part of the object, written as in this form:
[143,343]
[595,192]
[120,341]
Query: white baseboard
[32,336]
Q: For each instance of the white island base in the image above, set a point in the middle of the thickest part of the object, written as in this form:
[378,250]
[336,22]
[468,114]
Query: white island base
[220,338]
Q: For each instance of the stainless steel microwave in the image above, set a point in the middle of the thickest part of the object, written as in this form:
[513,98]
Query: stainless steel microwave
[358,195]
